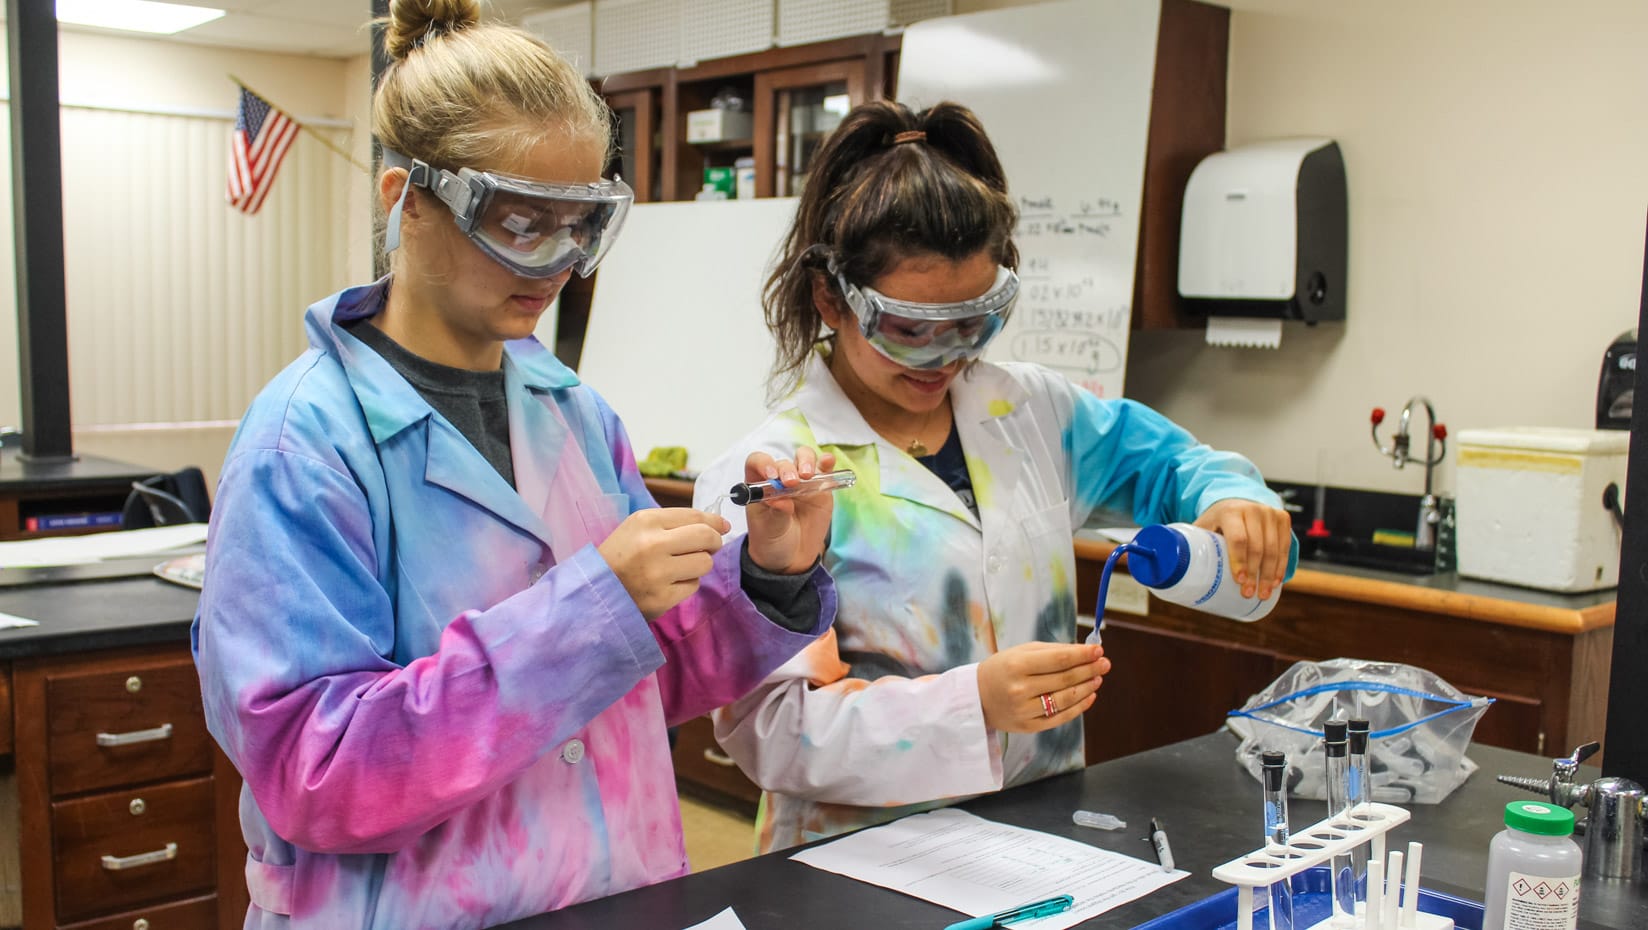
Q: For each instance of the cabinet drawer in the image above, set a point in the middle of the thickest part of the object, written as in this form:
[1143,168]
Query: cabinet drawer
[700,762]
[125,726]
[129,848]
[193,914]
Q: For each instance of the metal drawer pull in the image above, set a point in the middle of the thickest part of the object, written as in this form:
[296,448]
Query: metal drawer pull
[717,757]
[117,863]
[164,731]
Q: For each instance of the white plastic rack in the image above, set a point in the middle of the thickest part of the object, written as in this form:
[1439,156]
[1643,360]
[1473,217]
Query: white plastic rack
[1319,843]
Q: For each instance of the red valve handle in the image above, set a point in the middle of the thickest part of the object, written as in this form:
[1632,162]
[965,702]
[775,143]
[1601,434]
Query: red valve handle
[1378,415]
[1440,431]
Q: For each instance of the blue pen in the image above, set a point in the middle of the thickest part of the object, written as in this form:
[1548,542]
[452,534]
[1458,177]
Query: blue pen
[1023,912]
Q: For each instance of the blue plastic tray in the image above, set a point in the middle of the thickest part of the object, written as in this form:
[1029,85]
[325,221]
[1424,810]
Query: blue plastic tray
[1312,902]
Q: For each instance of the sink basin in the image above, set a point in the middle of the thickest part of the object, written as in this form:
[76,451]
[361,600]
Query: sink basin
[1338,550]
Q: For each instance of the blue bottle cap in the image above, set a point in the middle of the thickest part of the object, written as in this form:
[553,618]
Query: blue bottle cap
[1161,556]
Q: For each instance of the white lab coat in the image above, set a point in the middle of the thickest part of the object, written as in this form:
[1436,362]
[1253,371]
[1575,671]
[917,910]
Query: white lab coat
[881,716]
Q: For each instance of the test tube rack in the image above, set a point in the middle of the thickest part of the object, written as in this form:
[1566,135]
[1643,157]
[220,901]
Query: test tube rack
[1319,843]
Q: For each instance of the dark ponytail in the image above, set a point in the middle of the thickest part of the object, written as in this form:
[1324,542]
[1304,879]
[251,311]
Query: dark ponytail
[873,201]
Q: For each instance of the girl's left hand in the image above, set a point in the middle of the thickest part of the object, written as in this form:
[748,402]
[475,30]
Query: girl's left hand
[1260,538]
[787,535]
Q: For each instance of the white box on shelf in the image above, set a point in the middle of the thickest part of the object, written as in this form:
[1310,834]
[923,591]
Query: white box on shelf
[1529,509]
[719,28]
[568,29]
[718,125]
[634,35]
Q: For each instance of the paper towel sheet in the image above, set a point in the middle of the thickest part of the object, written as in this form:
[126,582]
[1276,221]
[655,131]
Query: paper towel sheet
[1244,332]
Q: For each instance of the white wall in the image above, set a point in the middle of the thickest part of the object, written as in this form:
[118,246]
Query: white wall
[1497,156]
[357,75]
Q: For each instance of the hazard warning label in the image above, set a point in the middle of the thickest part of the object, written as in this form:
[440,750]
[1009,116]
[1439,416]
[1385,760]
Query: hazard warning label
[1540,902]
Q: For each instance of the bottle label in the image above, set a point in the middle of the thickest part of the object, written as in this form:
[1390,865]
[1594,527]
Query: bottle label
[1218,570]
[1539,902]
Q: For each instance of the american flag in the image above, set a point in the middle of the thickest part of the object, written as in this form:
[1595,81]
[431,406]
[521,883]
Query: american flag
[262,136]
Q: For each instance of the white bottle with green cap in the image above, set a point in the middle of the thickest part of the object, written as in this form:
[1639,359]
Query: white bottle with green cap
[1534,867]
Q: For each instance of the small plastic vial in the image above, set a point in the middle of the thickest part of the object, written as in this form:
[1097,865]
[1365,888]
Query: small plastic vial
[1189,565]
[1534,867]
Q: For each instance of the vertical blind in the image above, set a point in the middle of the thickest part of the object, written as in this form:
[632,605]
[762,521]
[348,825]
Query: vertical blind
[179,307]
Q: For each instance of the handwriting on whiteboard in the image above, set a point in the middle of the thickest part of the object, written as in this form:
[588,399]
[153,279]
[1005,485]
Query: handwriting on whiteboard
[1071,317]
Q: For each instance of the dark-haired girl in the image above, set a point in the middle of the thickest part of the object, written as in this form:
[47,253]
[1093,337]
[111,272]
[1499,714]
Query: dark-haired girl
[951,669]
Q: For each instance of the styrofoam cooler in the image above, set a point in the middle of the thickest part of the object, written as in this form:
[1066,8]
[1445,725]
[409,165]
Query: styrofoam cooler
[1530,510]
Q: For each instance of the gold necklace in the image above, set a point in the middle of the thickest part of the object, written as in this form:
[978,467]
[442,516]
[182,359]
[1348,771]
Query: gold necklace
[916,448]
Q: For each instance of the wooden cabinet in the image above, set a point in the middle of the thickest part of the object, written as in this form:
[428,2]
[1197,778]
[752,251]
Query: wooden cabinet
[40,499]
[701,767]
[777,86]
[120,782]
[1177,671]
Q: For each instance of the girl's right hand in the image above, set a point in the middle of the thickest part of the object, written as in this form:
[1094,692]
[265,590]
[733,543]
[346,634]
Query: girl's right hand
[660,553]
[1012,682]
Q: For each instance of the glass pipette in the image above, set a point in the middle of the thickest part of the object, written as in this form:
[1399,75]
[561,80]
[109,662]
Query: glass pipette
[750,492]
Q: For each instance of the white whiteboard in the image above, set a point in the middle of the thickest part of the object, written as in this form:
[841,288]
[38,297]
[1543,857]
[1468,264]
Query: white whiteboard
[1063,90]
[676,339]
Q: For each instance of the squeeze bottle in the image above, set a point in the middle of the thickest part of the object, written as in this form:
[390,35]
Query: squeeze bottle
[1191,566]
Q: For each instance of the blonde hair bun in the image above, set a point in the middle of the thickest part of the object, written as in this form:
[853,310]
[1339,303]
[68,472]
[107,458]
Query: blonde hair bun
[413,21]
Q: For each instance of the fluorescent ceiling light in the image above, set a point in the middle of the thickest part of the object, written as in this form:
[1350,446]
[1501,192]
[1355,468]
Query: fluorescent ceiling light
[134,15]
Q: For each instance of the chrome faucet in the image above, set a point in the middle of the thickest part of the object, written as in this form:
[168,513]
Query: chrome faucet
[1618,813]
[1436,446]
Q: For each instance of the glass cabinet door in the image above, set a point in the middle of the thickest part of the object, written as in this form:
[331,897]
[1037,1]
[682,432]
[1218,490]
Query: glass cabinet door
[635,156]
[795,109]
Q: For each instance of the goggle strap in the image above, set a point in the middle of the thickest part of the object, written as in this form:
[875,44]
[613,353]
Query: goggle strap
[417,175]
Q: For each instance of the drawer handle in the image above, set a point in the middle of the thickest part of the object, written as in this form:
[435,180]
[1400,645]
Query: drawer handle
[117,863]
[164,731]
[717,757]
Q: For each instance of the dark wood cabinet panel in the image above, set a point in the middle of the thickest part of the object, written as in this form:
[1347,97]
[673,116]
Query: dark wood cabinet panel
[79,802]
[701,766]
[1166,687]
[1550,685]
[125,724]
[194,914]
[133,847]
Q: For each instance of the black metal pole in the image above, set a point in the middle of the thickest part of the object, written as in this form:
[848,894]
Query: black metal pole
[1625,747]
[37,230]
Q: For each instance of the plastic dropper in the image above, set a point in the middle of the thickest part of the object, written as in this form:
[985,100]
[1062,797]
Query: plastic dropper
[751,492]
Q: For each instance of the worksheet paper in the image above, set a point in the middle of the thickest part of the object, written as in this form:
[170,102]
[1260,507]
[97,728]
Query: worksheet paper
[12,621]
[980,867]
[726,920]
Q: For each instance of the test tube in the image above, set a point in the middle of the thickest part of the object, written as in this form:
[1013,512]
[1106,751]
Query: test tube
[1359,792]
[745,493]
[1338,778]
[1274,769]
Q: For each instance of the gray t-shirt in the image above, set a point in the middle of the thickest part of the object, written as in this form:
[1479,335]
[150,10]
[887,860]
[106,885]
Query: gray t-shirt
[472,401]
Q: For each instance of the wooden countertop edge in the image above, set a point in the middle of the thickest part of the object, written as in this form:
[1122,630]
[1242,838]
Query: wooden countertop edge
[1414,597]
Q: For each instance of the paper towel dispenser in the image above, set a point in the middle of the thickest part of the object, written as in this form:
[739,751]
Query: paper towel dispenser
[1264,232]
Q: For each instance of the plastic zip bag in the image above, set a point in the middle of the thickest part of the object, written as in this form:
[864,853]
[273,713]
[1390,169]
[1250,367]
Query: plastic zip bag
[1420,727]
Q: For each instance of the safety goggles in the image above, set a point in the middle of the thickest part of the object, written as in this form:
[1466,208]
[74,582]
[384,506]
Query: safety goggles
[536,229]
[927,336]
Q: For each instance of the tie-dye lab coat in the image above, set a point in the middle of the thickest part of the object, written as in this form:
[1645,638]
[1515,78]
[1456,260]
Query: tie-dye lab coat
[448,712]
[881,716]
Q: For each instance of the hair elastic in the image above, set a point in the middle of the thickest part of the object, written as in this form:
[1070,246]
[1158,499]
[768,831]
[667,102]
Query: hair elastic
[909,135]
